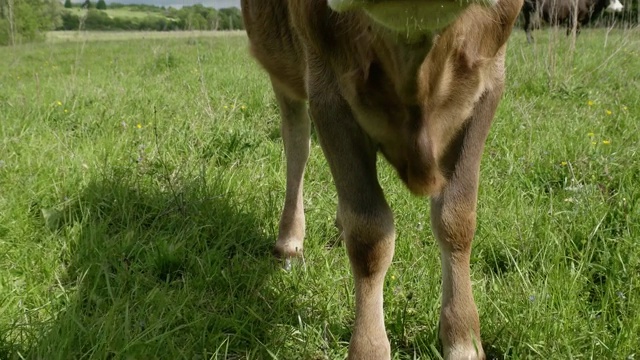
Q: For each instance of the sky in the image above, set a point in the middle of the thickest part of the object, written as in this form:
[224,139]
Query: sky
[180,3]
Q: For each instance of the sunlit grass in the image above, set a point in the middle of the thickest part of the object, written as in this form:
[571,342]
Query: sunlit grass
[141,183]
[82,36]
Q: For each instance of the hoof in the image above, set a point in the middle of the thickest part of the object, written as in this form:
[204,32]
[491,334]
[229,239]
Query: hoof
[286,251]
[287,262]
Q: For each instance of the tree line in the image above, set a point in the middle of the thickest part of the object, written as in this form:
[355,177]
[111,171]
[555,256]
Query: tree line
[196,17]
[27,20]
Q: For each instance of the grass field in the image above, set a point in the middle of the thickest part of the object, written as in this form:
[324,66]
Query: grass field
[83,36]
[141,183]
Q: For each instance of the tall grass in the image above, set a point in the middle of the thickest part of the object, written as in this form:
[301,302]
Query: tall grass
[141,183]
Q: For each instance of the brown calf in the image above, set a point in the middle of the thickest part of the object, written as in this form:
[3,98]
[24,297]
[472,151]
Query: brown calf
[418,81]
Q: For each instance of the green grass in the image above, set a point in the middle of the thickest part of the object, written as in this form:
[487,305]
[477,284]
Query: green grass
[83,36]
[141,183]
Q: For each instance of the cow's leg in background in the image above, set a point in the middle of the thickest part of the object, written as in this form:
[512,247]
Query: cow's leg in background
[295,129]
[528,10]
[570,27]
[366,219]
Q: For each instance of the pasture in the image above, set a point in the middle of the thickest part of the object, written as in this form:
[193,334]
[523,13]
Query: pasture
[84,36]
[141,182]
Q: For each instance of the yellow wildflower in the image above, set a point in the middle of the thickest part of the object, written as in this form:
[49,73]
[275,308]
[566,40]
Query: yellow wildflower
[606,142]
[59,103]
[591,134]
[139,126]
[590,103]
[225,107]
[564,163]
[625,108]
[593,143]
[66,111]
[243,107]
[608,112]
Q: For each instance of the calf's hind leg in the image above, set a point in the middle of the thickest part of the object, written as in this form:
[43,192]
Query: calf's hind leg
[453,220]
[295,130]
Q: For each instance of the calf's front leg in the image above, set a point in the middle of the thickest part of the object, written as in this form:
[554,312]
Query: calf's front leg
[365,217]
[453,220]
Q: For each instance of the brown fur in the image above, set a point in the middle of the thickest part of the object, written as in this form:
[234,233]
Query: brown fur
[426,104]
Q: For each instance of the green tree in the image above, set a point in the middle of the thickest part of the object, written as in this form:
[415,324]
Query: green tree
[97,20]
[70,21]
[230,19]
[101,5]
[27,20]
[67,4]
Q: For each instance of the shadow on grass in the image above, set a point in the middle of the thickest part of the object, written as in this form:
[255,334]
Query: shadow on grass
[156,268]
[155,271]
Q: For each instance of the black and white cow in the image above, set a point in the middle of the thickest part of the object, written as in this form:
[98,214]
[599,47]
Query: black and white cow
[559,12]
